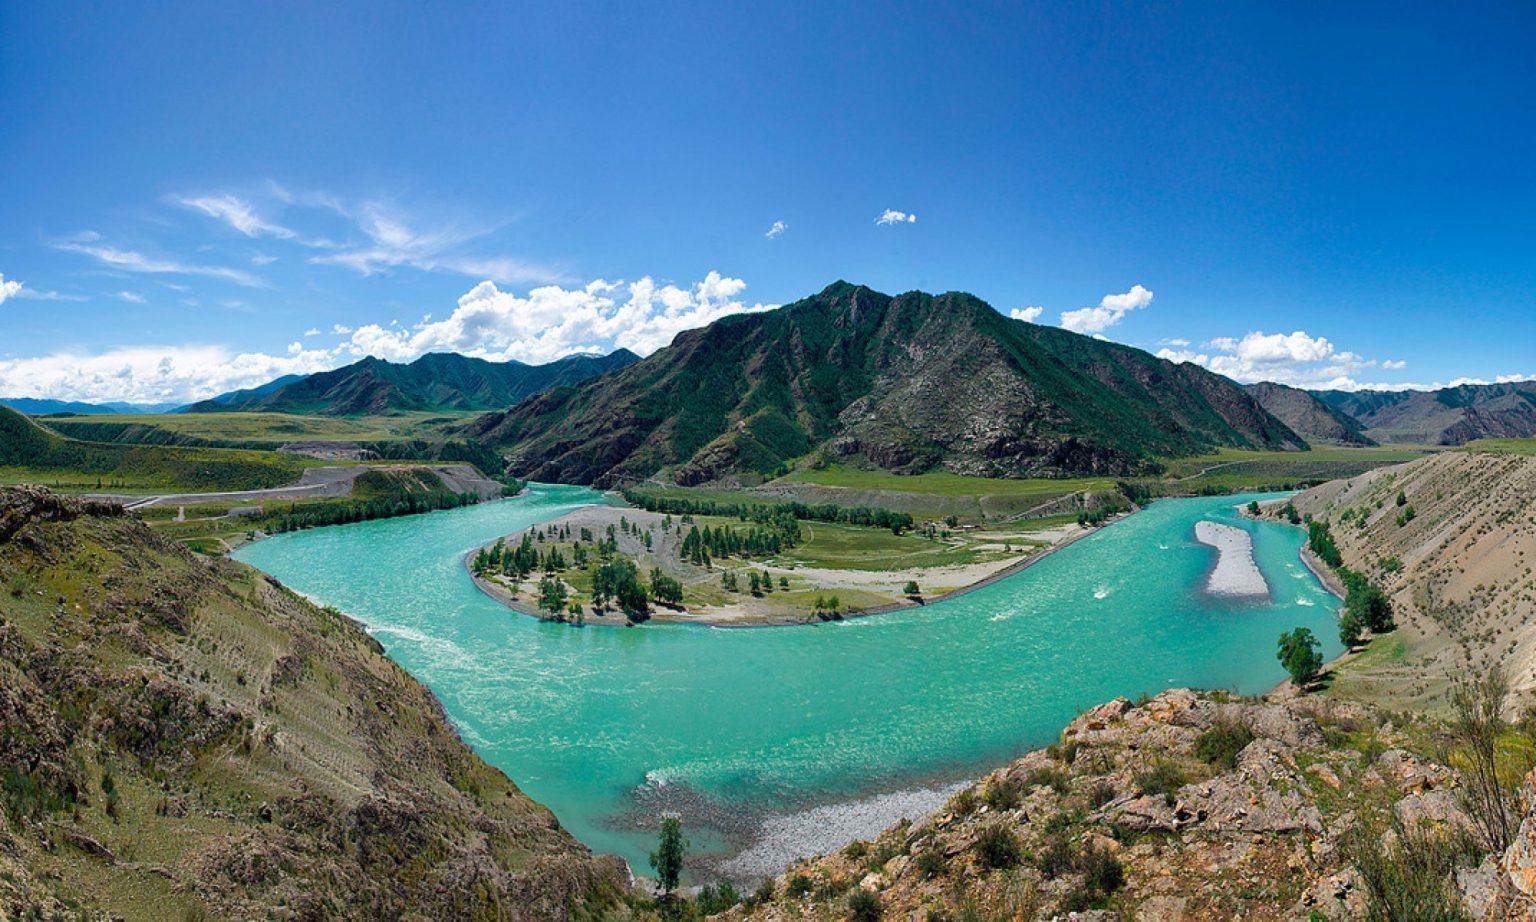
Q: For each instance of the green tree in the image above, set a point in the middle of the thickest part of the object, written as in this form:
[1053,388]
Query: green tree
[1351,628]
[552,595]
[671,849]
[911,589]
[1298,653]
[1253,508]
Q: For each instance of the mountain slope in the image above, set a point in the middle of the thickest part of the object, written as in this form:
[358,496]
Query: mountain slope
[1458,568]
[434,382]
[40,452]
[1308,416]
[184,737]
[1450,416]
[908,384]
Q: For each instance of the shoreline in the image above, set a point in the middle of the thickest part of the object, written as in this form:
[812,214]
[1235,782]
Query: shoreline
[500,594]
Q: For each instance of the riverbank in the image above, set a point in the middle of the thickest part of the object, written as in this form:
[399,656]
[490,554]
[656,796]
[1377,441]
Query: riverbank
[653,541]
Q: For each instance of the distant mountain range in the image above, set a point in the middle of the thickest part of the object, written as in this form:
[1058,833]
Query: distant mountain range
[908,384]
[433,383]
[1308,416]
[1450,416]
[39,407]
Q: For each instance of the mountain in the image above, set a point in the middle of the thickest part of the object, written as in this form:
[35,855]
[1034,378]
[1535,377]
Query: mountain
[1308,416]
[1449,416]
[244,394]
[434,382]
[195,741]
[33,406]
[907,384]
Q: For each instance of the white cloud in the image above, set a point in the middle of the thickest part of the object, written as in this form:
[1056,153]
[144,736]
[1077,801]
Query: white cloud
[1030,314]
[1394,364]
[263,259]
[130,261]
[1297,358]
[547,323]
[551,321]
[151,374]
[892,216]
[8,289]
[237,213]
[131,297]
[1110,311]
[778,228]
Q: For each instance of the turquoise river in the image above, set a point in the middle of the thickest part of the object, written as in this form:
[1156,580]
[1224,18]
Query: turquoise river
[736,728]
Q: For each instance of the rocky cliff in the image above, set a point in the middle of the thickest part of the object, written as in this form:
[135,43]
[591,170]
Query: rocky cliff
[1182,807]
[182,738]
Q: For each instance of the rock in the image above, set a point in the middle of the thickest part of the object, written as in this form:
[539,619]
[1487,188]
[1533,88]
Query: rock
[1098,718]
[1411,774]
[872,882]
[1479,888]
[1337,896]
[1325,775]
[1434,809]
[1277,722]
[1162,908]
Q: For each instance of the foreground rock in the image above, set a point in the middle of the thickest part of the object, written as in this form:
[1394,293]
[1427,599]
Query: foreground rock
[183,738]
[1184,807]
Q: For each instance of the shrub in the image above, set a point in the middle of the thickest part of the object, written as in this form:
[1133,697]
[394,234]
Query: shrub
[712,900]
[1056,858]
[863,906]
[1416,877]
[1220,744]
[1161,777]
[1048,776]
[1102,872]
[1101,793]
[1003,794]
[998,847]
[964,802]
[931,861]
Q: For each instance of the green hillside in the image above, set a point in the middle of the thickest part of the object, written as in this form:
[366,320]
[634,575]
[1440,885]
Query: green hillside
[182,738]
[29,452]
[438,382]
[907,384]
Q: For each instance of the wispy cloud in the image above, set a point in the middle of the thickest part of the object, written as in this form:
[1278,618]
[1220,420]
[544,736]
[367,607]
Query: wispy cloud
[892,216]
[15,289]
[237,213]
[394,242]
[131,297]
[778,228]
[8,289]
[130,261]
[1110,311]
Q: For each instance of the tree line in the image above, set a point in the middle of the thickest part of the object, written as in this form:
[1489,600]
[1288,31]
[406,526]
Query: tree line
[766,513]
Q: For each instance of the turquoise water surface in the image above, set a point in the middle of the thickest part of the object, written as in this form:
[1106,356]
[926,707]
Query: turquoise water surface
[606,725]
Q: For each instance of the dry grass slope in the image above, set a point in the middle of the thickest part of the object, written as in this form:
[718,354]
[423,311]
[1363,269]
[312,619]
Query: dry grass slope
[183,737]
[1458,558]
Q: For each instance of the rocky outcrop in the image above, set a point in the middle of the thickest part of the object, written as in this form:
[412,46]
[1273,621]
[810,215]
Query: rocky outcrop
[1185,806]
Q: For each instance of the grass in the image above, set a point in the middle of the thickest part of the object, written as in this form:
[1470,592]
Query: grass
[1237,470]
[939,483]
[851,547]
[264,430]
[1502,446]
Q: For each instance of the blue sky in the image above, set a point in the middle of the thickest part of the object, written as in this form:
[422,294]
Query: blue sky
[197,196]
